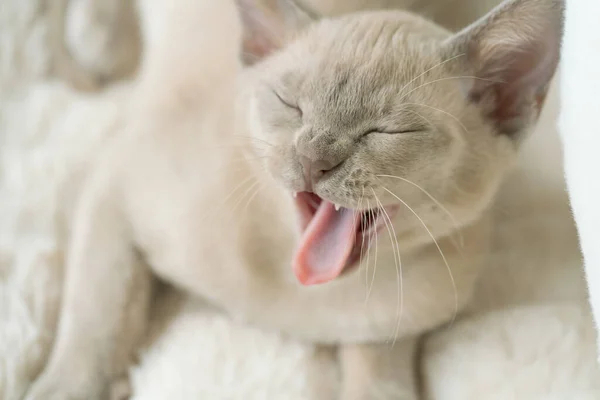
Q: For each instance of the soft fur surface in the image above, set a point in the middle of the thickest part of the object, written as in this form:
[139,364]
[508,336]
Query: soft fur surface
[530,336]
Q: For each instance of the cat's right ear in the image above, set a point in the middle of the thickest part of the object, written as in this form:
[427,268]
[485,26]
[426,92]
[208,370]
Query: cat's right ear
[269,24]
[512,55]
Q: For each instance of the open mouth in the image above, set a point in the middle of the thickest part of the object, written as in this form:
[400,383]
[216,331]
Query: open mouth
[334,238]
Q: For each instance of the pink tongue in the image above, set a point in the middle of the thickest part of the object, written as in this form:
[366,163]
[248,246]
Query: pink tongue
[326,244]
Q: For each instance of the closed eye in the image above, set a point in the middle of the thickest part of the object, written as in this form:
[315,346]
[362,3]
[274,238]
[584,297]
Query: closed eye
[288,104]
[394,132]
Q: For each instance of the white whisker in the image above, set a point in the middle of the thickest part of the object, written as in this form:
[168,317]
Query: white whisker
[250,199]
[371,217]
[362,244]
[229,195]
[423,117]
[439,204]
[376,254]
[442,111]
[445,79]
[430,69]
[237,188]
[244,196]
[355,213]
[398,262]
[235,146]
[261,141]
[439,249]
[367,291]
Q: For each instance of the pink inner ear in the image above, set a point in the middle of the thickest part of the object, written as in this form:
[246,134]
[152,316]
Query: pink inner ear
[517,77]
[263,30]
[513,52]
[519,82]
[255,49]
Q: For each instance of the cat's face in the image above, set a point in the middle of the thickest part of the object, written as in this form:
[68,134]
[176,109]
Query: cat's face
[385,111]
[372,97]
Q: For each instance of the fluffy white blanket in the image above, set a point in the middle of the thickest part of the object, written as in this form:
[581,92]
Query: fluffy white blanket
[530,338]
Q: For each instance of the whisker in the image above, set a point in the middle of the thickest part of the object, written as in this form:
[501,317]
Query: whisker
[443,112]
[223,203]
[236,145]
[237,188]
[376,255]
[244,196]
[433,127]
[439,249]
[447,79]
[241,150]
[439,204]
[355,213]
[250,199]
[370,238]
[430,69]
[255,139]
[362,244]
[245,159]
[398,262]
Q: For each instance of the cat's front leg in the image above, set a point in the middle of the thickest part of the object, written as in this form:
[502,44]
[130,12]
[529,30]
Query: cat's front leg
[104,308]
[379,371]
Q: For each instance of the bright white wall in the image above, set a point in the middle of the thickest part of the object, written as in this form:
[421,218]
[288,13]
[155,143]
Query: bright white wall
[580,131]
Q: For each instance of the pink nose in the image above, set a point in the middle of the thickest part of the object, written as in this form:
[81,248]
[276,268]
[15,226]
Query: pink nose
[314,170]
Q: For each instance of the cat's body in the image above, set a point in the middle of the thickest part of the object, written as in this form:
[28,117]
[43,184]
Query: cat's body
[190,189]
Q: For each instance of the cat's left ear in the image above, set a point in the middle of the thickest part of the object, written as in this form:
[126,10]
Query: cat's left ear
[512,54]
[269,24]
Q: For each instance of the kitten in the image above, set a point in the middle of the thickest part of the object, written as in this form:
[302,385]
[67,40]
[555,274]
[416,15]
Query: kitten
[344,202]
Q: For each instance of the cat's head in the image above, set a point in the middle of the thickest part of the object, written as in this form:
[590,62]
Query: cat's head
[387,111]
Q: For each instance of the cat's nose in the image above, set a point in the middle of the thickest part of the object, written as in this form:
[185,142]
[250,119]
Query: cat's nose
[314,170]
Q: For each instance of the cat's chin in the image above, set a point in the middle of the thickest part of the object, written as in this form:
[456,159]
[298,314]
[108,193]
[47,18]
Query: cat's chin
[334,238]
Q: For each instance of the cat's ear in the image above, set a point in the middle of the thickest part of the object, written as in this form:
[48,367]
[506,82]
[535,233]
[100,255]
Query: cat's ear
[269,24]
[512,54]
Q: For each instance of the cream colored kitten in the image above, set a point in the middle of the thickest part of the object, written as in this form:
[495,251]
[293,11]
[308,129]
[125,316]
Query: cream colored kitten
[375,140]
